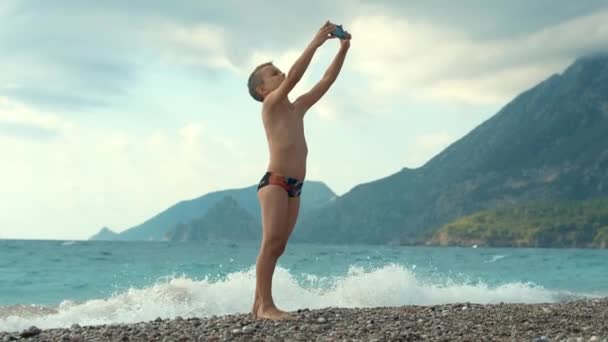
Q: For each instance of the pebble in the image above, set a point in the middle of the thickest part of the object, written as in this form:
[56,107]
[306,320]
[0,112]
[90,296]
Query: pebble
[569,322]
[30,332]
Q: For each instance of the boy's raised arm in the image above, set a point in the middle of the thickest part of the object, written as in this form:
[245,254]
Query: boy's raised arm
[307,100]
[301,64]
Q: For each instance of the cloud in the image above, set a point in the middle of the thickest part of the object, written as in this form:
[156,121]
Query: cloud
[20,121]
[26,131]
[428,145]
[6,7]
[421,59]
[191,144]
[72,55]
[117,142]
[336,105]
[433,140]
[197,45]
[485,21]
[58,60]
[60,99]
[87,177]
[67,55]
[326,110]
[433,49]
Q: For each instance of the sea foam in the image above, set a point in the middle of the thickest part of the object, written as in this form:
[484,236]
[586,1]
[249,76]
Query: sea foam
[390,285]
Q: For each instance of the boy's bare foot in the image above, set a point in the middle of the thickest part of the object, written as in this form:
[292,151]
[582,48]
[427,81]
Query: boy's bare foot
[273,313]
[255,307]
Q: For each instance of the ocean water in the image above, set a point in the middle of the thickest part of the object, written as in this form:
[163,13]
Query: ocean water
[53,284]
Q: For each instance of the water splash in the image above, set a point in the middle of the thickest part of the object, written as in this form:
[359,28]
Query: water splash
[182,296]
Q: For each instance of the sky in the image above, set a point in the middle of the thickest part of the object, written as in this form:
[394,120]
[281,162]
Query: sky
[113,111]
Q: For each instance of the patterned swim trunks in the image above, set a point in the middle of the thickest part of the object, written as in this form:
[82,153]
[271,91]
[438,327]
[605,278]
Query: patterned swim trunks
[291,185]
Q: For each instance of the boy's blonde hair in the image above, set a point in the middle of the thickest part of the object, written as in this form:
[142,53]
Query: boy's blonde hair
[255,79]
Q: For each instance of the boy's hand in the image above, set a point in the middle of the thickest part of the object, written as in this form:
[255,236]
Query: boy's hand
[323,34]
[345,43]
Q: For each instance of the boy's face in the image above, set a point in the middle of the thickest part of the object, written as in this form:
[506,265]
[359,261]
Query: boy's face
[272,77]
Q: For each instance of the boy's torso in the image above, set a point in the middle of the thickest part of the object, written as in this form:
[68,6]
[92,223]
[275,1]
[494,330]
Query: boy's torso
[284,126]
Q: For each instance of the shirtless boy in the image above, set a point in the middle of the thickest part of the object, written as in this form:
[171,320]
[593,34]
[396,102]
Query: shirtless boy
[279,189]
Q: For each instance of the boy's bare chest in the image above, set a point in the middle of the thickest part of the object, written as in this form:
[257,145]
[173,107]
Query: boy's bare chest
[283,118]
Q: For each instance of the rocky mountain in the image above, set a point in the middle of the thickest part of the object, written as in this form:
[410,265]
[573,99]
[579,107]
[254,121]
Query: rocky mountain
[225,220]
[549,143]
[105,234]
[155,229]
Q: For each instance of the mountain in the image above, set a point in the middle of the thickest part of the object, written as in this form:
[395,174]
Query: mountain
[154,229]
[572,224]
[105,234]
[225,220]
[549,143]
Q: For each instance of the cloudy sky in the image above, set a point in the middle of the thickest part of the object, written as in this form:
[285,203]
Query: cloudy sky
[112,111]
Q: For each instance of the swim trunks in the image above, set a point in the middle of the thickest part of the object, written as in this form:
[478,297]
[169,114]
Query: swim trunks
[291,185]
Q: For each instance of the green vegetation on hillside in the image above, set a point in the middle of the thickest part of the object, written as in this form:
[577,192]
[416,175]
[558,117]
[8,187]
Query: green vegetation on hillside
[540,224]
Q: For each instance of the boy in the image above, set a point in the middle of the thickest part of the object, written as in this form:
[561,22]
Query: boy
[279,189]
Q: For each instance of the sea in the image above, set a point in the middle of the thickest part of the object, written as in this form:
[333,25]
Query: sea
[55,284]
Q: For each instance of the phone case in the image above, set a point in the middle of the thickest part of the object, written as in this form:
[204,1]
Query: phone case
[339,32]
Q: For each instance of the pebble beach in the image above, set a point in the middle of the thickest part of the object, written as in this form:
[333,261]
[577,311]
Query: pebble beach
[581,320]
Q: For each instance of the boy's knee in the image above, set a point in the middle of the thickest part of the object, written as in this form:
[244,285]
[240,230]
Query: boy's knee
[273,247]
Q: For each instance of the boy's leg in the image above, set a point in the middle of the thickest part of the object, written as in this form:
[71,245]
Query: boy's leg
[274,205]
[293,208]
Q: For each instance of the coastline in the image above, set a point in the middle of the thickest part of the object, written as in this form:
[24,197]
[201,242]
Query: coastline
[580,320]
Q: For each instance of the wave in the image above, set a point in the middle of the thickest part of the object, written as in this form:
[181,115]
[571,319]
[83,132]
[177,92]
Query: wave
[390,285]
[495,258]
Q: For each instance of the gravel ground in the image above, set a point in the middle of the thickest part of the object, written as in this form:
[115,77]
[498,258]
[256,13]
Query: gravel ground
[584,320]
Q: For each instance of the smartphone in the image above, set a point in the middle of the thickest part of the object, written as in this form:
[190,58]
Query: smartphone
[338,32]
